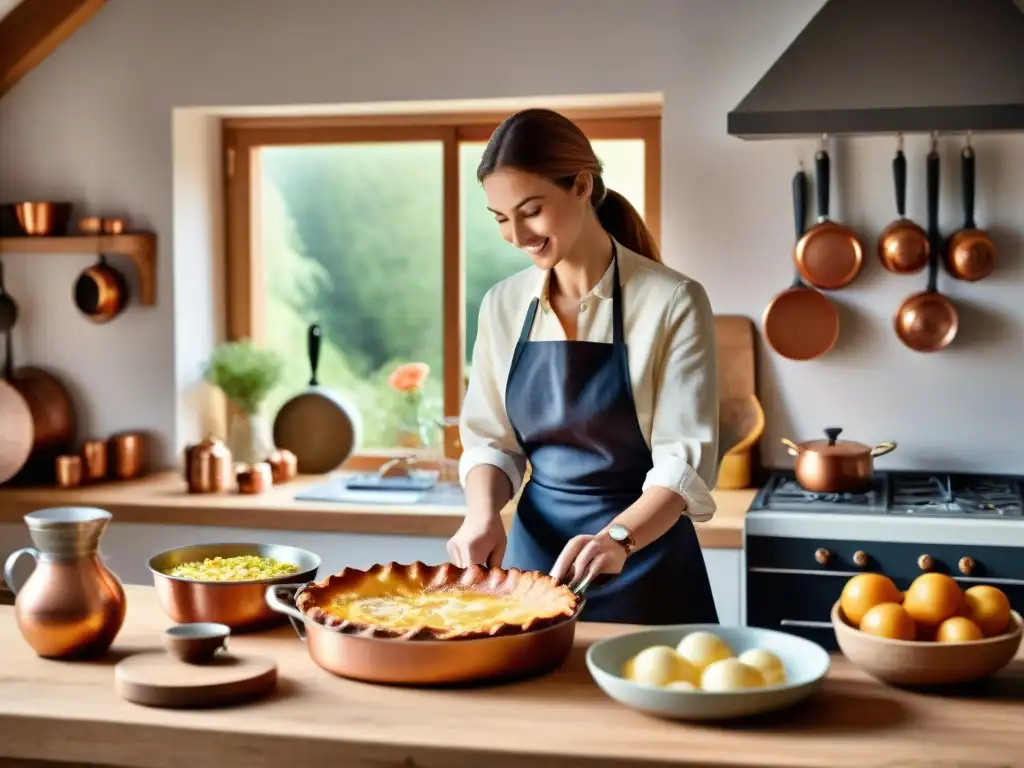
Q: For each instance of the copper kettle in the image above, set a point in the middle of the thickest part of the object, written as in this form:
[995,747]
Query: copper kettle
[71,606]
[833,465]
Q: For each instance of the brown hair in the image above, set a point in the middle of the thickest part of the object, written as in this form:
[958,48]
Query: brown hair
[545,143]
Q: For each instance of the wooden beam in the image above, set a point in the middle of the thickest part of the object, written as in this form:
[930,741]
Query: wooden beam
[34,29]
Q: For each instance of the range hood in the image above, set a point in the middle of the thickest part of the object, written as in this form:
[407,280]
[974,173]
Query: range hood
[889,66]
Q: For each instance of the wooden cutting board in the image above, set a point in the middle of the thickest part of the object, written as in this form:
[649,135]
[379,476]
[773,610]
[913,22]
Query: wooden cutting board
[737,377]
[157,679]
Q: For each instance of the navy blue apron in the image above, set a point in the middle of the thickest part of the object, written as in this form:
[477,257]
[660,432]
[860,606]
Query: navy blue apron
[570,404]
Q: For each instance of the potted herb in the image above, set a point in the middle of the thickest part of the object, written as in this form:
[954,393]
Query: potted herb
[246,374]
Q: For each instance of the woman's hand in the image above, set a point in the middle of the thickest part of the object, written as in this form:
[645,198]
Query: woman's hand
[589,556]
[480,540]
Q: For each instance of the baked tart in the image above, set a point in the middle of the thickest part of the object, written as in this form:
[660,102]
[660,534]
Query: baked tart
[437,602]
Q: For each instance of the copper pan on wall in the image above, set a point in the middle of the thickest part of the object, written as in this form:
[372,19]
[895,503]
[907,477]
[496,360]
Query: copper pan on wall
[830,254]
[928,321]
[903,247]
[800,323]
[971,254]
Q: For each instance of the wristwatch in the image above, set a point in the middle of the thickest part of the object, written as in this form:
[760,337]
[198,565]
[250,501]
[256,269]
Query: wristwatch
[620,535]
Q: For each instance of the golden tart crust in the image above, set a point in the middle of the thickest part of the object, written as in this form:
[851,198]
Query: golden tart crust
[442,602]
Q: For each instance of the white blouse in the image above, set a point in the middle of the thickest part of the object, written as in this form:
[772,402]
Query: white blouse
[670,335]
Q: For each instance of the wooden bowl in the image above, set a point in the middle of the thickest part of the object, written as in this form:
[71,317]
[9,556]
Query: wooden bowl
[906,662]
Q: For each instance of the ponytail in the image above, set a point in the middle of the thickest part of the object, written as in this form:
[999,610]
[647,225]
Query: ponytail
[623,222]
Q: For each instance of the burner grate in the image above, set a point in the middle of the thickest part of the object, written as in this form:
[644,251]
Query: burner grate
[905,493]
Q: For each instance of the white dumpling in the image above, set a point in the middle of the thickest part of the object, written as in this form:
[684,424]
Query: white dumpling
[660,665]
[730,675]
[770,666]
[703,648]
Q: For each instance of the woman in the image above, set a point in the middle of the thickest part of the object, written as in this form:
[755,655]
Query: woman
[596,365]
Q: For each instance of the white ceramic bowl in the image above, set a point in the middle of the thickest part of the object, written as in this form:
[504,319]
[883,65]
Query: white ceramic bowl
[806,665]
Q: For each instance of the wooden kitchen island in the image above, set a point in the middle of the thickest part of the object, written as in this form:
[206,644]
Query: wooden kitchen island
[69,712]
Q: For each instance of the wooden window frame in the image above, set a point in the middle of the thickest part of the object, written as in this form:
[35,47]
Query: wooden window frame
[242,137]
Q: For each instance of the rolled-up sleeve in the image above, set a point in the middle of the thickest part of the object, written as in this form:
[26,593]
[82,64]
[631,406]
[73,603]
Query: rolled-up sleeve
[684,434]
[484,428]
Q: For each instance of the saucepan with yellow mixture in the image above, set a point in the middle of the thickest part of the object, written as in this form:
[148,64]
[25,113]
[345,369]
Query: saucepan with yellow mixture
[225,583]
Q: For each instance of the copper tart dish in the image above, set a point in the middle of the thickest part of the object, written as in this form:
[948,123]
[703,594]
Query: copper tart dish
[418,624]
[241,605]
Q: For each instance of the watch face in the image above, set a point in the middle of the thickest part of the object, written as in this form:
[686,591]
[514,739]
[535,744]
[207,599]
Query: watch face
[618,533]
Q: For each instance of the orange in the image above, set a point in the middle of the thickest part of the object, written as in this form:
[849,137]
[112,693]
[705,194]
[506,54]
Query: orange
[863,592]
[958,630]
[989,608]
[889,620]
[932,598]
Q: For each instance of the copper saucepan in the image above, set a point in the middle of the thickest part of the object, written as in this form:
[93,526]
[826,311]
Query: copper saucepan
[903,246]
[800,323]
[971,254]
[428,662]
[928,321]
[101,292]
[833,465]
[829,255]
[239,604]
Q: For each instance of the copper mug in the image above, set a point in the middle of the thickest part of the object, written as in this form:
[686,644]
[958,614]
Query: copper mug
[71,606]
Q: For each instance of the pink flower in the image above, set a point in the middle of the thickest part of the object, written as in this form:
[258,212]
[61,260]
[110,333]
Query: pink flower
[409,377]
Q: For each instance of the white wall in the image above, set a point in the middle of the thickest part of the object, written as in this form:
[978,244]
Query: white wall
[93,124]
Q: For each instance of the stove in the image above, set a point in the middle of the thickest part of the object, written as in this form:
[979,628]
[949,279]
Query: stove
[801,547]
[904,493]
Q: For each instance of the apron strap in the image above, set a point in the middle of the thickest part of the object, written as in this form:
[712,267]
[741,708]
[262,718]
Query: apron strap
[618,334]
[524,335]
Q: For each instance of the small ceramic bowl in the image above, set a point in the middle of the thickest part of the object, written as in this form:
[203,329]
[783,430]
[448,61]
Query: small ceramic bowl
[806,665]
[196,643]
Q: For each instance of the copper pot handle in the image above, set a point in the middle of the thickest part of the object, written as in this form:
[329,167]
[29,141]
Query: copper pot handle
[12,561]
[274,600]
[794,449]
[882,448]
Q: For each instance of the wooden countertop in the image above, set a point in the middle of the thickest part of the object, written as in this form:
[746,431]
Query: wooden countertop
[162,498]
[68,711]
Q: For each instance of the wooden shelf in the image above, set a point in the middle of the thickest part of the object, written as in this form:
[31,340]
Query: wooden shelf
[140,247]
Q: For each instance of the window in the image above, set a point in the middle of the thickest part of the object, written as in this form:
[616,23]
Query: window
[376,229]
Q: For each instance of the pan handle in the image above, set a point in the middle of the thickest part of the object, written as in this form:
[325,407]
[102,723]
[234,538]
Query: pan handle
[274,599]
[967,179]
[799,214]
[933,217]
[899,177]
[822,179]
[313,347]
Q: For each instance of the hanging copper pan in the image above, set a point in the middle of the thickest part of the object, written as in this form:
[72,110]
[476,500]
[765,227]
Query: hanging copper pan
[928,321]
[800,323]
[903,246]
[829,255]
[971,254]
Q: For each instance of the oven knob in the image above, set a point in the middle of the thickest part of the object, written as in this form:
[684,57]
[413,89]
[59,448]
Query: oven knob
[925,562]
[966,566]
[860,558]
[822,555]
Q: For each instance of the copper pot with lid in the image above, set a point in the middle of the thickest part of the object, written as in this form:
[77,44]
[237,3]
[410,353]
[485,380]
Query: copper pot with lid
[833,465]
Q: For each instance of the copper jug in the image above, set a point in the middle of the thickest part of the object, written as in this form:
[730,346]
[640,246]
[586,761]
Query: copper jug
[71,606]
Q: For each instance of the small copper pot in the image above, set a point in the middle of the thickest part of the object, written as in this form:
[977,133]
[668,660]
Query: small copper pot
[208,467]
[833,465]
[283,466]
[100,292]
[253,478]
[127,454]
[95,458]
